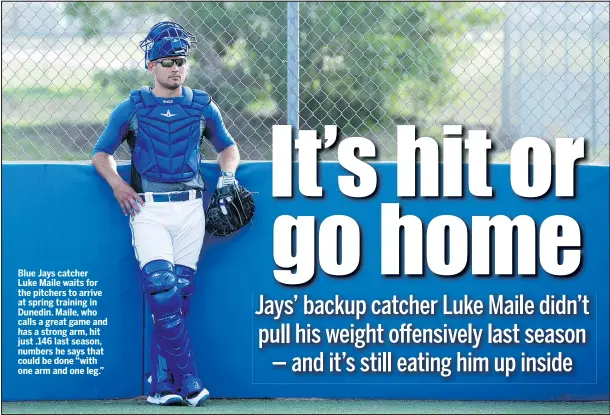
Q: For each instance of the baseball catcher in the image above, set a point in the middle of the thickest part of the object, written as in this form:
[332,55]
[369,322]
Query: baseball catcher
[164,127]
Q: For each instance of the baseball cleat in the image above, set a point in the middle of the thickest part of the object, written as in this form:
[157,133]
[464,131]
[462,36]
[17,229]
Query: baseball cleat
[193,391]
[167,399]
[198,399]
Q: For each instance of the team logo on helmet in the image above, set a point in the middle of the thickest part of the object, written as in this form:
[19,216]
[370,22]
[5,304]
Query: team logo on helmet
[166,39]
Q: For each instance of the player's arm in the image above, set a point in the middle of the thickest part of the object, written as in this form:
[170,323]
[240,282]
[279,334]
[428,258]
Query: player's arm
[229,158]
[105,164]
[228,152]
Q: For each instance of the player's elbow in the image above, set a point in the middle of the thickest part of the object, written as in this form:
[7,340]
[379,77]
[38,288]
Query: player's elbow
[229,158]
[230,152]
[97,156]
[101,158]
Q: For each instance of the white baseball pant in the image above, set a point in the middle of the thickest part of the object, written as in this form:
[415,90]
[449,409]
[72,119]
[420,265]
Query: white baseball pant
[172,231]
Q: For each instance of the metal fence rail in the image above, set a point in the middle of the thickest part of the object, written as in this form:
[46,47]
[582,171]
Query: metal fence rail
[514,69]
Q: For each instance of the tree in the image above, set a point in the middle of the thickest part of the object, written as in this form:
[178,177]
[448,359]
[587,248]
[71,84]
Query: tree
[359,62]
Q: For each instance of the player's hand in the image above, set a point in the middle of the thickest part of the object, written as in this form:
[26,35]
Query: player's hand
[128,198]
[226,178]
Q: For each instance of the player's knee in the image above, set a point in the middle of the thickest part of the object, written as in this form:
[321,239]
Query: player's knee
[186,279]
[161,286]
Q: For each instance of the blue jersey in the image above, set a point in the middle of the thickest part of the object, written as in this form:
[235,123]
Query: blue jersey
[123,126]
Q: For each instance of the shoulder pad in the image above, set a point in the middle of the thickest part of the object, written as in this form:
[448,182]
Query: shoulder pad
[143,95]
[135,96]
[201,97]
[188,96]
[196,98]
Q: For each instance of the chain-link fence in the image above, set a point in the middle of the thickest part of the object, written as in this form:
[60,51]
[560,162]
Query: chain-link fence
[514,69]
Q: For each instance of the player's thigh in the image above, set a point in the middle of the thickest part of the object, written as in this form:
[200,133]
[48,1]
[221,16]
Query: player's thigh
[188,237]
[150,237]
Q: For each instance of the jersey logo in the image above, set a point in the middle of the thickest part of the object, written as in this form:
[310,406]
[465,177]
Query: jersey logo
[168,114]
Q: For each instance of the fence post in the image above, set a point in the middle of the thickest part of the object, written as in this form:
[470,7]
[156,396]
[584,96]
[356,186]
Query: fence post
[521,30]
[593,79]
[507,75]
[293,65]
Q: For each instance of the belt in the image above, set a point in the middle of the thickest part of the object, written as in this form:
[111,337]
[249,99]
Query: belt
[173,196]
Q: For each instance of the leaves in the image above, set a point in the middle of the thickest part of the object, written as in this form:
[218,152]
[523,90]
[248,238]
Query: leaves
[355,58]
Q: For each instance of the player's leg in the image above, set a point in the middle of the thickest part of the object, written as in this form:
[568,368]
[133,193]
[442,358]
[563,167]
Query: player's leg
[165,377]
[150,235]
[164,298]
[163,388]
[187,275]
[188,240]
[151,241]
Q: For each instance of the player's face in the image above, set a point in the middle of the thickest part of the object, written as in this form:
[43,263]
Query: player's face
[170,77]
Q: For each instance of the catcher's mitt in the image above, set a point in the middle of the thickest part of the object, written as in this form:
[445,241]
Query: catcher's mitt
[230,209]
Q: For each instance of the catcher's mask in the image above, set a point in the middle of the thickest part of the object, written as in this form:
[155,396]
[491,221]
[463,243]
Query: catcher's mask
[166,39]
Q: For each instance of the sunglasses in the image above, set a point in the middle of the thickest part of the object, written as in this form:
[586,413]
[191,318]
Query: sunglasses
[168,63]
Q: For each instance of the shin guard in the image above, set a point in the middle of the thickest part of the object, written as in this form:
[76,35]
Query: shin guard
[164,297]
[186,279]
[162,378]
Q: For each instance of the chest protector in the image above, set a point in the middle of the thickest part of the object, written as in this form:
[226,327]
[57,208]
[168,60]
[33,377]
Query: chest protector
[168,137]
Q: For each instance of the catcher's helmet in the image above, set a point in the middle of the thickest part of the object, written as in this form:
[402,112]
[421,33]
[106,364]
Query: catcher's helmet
[166,39]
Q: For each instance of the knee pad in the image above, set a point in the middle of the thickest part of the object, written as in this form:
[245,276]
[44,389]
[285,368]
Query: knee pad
[161,286]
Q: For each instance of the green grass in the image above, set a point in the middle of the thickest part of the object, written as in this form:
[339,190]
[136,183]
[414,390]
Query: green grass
[42,106]
[304,406]
[61,92]
[36,150]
